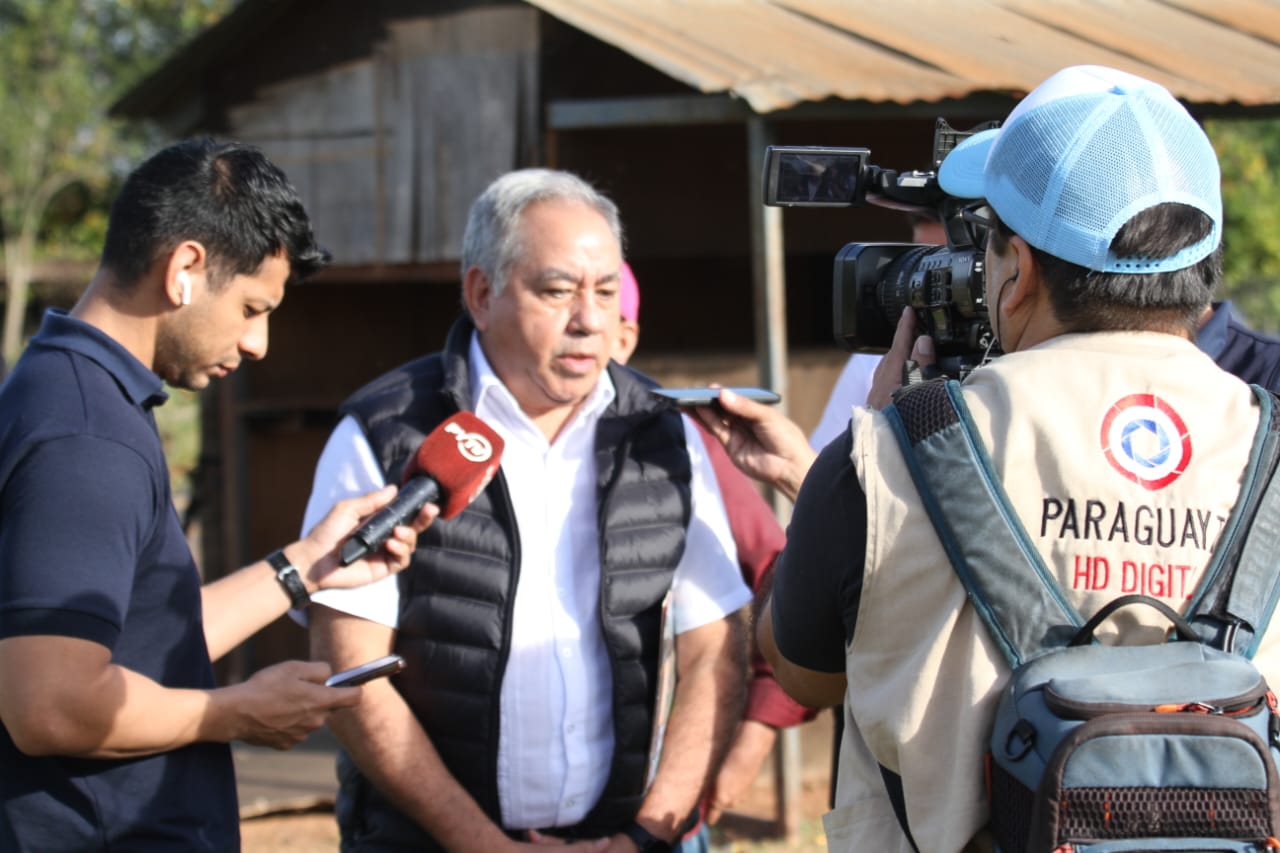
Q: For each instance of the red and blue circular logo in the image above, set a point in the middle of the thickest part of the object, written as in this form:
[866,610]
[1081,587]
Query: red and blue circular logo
[1146,441]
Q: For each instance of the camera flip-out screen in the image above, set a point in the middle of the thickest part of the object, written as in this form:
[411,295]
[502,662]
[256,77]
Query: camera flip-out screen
[811,176]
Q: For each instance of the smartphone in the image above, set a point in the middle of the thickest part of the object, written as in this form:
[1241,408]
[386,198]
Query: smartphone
[383,666]
[707,396]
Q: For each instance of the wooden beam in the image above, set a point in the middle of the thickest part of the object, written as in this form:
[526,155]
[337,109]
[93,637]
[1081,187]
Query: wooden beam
[595,113]
[602,113]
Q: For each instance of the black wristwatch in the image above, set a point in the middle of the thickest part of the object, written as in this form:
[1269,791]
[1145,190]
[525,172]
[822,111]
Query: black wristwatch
[645,840]
[287,574]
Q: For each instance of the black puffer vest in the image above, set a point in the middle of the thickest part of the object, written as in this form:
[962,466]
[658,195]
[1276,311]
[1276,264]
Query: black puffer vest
[457,595]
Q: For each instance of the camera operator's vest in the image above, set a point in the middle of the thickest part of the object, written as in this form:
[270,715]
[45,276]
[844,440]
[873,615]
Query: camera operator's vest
[1121,454]
[456,596]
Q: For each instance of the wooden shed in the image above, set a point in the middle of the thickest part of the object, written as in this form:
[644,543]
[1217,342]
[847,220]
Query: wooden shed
[391,115]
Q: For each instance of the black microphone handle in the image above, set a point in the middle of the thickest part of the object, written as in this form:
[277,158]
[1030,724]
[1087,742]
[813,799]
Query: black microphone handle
[369,537]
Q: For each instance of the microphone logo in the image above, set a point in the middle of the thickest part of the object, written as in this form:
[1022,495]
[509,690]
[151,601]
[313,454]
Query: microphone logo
[473,446]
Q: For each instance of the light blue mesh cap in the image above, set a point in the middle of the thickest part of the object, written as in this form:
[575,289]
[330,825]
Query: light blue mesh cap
[1083,153]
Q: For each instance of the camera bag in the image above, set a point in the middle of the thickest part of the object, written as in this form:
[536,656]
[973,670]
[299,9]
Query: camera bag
[1100,748]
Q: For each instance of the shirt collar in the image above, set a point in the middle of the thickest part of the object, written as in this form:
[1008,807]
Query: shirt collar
[485,384]
[59,330]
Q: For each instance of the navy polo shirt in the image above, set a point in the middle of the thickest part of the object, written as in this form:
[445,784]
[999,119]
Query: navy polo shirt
[1250,355]
[91,547]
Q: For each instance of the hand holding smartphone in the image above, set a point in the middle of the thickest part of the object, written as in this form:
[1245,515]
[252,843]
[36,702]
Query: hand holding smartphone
[379,668]
[708,396]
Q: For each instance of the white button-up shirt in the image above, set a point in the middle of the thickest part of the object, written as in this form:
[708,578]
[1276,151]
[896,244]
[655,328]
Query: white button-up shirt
[556,727]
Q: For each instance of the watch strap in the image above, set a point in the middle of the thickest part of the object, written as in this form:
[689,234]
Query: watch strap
[645,840]
[287,575]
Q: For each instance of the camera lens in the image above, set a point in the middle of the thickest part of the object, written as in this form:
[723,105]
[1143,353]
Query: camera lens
[901,283]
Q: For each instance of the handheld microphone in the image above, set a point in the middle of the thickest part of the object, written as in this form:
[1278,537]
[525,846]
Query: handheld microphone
[452,466]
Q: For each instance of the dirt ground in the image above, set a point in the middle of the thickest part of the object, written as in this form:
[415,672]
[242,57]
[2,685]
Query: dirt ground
[748,832]
[749,829]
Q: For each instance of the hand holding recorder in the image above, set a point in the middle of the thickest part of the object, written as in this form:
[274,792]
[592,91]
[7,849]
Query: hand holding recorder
[316,555]
[763,442]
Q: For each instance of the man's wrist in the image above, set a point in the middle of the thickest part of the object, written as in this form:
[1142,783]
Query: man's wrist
[797,471]
[217,722]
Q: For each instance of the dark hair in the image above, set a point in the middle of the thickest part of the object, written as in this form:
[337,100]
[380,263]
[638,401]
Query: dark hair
[225,195]
[1085,300]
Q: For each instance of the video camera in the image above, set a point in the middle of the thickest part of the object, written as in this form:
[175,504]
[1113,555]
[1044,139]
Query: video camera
[873,282]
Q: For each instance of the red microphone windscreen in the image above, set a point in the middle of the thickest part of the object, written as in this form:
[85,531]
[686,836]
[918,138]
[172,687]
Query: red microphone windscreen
[462,455]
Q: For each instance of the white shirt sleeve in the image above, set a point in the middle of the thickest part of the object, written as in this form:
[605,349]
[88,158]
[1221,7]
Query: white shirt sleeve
[708,583]
[851,389]
[348,468]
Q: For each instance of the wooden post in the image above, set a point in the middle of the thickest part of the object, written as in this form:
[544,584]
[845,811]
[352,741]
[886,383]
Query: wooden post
[768,277]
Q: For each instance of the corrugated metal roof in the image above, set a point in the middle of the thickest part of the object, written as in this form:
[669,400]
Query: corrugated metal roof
[776,54]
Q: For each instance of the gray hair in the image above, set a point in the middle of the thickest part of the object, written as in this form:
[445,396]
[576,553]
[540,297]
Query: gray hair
[492,242]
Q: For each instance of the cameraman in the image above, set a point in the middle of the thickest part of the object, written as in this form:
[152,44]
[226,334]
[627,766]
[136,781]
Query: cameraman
[1095,287]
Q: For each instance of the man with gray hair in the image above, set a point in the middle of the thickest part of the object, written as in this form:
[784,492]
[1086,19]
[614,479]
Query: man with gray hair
[533,623]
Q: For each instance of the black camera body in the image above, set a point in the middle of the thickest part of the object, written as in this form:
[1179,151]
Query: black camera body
[874,282]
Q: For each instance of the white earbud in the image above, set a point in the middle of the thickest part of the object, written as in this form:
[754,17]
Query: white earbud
[185,281]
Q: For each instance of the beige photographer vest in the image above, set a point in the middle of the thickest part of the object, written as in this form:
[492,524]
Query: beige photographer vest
[1121,454]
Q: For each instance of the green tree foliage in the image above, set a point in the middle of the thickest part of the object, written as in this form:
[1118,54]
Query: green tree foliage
[1249,151]
[64,62]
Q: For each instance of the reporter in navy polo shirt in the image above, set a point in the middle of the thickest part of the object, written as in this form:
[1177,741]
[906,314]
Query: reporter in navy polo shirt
[113,734]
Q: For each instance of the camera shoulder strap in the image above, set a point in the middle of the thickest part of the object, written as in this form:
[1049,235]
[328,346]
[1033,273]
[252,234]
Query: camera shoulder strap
[1007,580]
[1234,602]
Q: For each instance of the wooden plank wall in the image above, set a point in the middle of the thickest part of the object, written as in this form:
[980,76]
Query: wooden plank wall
[389,151]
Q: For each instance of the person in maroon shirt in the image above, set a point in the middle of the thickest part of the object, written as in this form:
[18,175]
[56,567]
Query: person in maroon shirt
[758,538]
